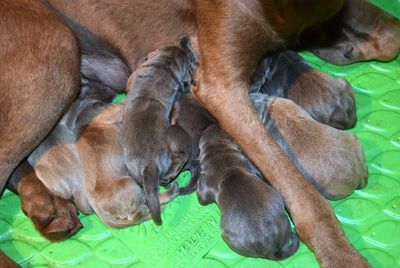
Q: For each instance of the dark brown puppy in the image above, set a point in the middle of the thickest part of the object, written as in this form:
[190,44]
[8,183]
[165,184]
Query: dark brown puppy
[327,99]
[360,32]
[332,160]
[153,89]
[253,219]
[189,115]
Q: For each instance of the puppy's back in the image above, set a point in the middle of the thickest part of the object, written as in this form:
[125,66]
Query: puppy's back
[333,160]
[253,219]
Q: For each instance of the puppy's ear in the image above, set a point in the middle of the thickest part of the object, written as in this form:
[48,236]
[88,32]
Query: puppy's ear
[150,185]
[186,44]
[260,103]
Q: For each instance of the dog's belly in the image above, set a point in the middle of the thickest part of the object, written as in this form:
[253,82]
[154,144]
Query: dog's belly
[132,27]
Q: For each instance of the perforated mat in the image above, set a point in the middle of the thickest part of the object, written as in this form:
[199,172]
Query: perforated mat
[190,234]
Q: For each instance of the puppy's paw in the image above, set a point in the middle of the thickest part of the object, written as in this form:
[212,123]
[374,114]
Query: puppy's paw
[343,113]
[330,100]
[54,217]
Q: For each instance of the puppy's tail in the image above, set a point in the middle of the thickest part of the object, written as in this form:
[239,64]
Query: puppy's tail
[289,248]
[151,188]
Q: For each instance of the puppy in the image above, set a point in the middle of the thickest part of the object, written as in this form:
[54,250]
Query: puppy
[332,160]
[82,160]
[153,90]
[192,118]
[115,197]
[56,160]
[253,219]
[327,99]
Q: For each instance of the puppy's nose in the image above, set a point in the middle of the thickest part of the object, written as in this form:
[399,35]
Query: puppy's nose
[139,214]
[364,181]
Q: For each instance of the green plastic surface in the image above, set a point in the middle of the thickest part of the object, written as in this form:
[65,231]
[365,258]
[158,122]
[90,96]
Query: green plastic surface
[391,6]
[190,234]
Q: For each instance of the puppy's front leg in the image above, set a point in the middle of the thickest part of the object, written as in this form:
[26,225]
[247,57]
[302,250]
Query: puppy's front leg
[232,38]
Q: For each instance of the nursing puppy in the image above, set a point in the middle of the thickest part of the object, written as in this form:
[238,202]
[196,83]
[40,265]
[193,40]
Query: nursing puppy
[332,160]
[56,160]
[253,219]
[82,160]
[327,99]
[152,92]
[190,116]
[115,196]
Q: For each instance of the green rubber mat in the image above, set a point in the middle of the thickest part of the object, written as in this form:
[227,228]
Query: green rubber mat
[391,6]
[190,235]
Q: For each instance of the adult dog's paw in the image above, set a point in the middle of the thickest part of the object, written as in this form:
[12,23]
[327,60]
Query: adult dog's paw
[54,217]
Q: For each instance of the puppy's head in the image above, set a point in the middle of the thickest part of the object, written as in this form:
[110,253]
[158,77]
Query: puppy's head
[180,60]
[121,203]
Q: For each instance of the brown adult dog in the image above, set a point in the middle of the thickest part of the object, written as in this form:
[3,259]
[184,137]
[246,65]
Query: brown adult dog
[327,99]
[233,35]
[332,160]
[152,91]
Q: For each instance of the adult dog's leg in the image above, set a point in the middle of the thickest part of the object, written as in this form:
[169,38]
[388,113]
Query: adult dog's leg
[54,217]
[6,261]
[360,32]
[39,78]
[232,39]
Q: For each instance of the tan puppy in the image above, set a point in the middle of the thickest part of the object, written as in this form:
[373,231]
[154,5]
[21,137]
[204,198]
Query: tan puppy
[115,196]
[332,160]
[327,99]
[82,160]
